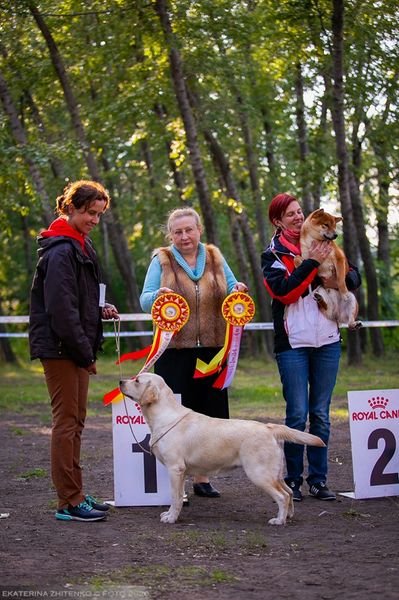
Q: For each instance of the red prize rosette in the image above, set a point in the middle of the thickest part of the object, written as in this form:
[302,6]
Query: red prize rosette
[237,309]
[169,312]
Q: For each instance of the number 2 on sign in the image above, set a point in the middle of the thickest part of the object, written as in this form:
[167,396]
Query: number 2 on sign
[378,477]
[150,465]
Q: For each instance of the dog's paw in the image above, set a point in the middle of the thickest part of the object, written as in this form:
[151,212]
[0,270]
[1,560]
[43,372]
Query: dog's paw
[322,304]
[168,517]
[355,325]
[298,260]
[276,521]
[346,296]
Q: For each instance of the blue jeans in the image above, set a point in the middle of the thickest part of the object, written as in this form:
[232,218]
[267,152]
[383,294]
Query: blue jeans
[308,376]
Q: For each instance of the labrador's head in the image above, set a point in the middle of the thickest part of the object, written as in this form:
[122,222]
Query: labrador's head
[144,389]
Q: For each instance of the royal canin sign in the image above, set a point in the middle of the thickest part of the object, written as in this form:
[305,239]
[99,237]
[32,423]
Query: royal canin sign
[379,410]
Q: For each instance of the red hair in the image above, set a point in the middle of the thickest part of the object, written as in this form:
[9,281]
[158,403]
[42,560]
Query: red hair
[279,205]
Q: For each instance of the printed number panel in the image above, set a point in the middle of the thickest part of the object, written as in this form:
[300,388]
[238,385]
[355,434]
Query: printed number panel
[374,429]
[139,479]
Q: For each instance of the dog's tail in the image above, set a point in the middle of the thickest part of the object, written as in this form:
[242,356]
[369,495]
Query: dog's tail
[287,434]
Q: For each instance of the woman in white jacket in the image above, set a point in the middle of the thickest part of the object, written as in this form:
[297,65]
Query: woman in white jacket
[307,345]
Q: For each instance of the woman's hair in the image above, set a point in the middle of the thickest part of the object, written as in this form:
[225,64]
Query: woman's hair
[177,214]
[81,194]
[279,205]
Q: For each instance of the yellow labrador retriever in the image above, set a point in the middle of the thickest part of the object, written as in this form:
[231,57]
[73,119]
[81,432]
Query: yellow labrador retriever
[187,442]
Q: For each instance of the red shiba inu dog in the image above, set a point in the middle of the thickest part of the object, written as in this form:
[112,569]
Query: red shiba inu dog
[337,304]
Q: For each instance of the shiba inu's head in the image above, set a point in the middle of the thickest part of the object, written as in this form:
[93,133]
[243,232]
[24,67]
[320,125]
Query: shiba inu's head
[320,225]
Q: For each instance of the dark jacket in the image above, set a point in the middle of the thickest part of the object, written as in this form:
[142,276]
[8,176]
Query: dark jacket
[287,283]
[65,317]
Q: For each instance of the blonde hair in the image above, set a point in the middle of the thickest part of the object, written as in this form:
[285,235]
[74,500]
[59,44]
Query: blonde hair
[177,214]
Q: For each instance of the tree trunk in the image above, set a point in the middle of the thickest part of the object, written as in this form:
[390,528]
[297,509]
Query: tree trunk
[70,99]
[373,301]
[176,65]
[253,256]
[320,145]
[338,118]
[379,141]
[20,138]
[6,352]
[55,163]
[117,237]
[270,155]
[161,112]
[149,163]
[253,173]
[307,201]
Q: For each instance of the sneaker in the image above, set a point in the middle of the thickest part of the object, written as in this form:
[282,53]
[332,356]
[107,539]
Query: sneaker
[296,490]
[321,491]
[81,512]
[96,505]
[186,501]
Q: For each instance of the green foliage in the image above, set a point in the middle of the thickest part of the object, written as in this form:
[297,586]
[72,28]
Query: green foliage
[240,59]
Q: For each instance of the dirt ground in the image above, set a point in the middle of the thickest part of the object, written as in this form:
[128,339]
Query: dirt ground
[221,548]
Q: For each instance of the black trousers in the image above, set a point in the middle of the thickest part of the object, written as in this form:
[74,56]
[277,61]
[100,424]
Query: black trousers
[177,368]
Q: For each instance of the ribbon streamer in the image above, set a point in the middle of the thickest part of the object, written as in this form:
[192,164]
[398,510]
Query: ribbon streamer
[170,312]
[237,309]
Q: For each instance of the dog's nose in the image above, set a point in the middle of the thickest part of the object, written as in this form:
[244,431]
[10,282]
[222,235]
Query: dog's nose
[329,237]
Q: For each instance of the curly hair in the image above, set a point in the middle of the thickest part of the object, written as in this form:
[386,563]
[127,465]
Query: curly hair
[81,194]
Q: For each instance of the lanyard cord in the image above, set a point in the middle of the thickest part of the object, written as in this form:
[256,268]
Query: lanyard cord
[117,332]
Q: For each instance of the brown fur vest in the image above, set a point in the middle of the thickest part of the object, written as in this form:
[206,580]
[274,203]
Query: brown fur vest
[206,326]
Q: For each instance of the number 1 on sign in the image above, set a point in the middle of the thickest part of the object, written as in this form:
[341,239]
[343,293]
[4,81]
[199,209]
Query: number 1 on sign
[150,465]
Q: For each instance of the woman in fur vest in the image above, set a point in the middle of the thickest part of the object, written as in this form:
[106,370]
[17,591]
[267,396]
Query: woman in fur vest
[200,274]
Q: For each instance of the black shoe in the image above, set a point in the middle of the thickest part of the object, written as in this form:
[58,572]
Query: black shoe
[321,491]
[205,490]
[186,501]
[96,505]
[296,490]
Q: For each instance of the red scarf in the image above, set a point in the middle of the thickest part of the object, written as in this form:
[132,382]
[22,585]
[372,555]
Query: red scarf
[295,248]
[61,227]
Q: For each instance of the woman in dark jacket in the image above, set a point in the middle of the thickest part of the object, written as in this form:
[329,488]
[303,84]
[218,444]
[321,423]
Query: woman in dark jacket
[65,333]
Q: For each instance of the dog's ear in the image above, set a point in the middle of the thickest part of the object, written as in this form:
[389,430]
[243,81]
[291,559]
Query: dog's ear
[318,212]
[338,219]
[149,395]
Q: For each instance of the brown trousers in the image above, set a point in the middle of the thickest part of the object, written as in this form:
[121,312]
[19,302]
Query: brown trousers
[68,386]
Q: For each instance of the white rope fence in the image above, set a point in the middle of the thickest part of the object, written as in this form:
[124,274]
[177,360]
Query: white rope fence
[129,317]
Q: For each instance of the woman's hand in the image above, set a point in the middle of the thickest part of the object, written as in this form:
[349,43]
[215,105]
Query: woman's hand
[91,369]
[320,250]
[109,311]
[163,290]
[240,287]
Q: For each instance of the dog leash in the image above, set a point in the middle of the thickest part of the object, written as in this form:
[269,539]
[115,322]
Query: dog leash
[117,333]
[169,428]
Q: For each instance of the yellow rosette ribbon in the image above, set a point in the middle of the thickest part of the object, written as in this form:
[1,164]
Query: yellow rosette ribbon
[238,309]
[170,312]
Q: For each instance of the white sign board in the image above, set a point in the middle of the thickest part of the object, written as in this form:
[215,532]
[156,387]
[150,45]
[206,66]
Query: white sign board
[139,478]
[374,429]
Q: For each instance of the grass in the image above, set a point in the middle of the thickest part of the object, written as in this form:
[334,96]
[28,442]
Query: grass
[255,392]
[34,473]
[161,576]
